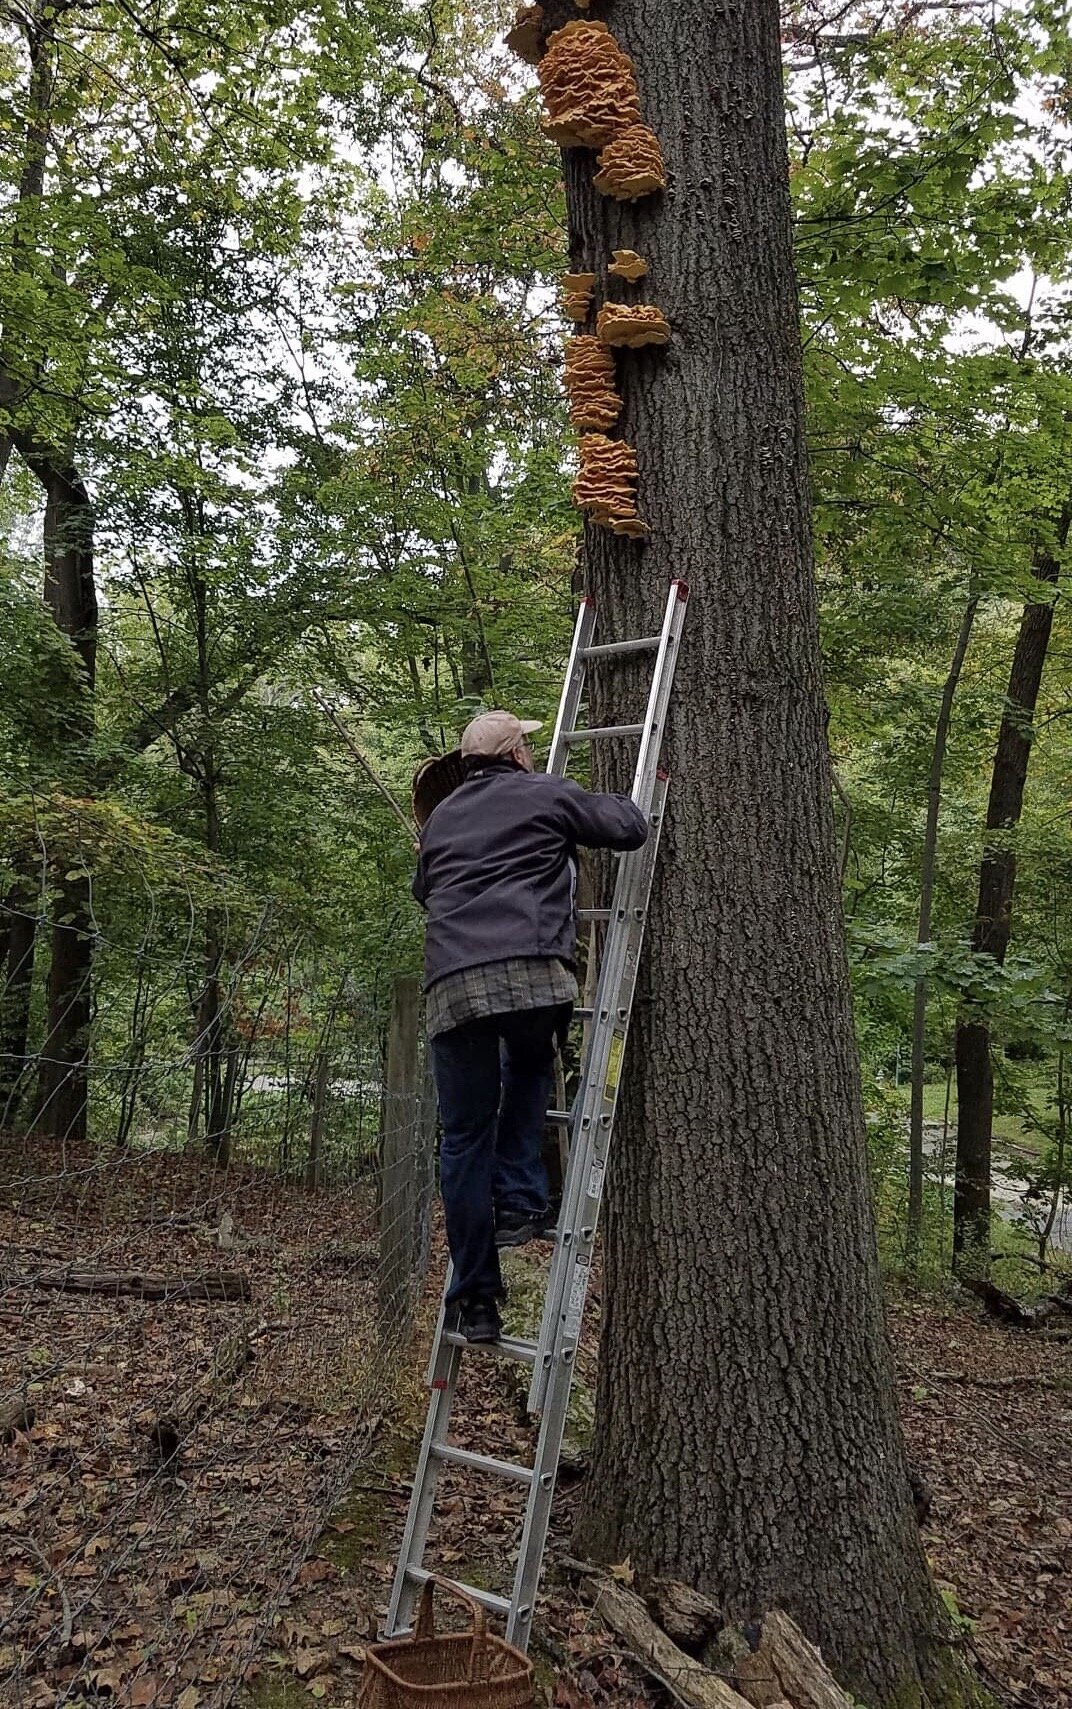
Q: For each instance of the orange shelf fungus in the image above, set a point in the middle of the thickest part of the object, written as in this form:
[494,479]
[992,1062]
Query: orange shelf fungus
[607,483]
[627,264]
[589,86]
[525,35]
[631,165]
[593,398]
[577,289]
[632,325]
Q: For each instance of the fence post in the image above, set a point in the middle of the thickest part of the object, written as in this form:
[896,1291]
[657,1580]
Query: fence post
[399,1195]
[316,1125]
[426,1158]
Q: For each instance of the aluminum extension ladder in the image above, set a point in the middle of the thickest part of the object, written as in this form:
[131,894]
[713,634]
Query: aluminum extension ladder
[590,1124]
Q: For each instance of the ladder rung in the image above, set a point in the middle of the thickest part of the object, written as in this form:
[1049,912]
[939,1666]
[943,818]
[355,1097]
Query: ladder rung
[593,913]
[523,1351]
[608,649]
[481,1463]
[583,1014]
[572,737]
[559,1118]
[487,1598]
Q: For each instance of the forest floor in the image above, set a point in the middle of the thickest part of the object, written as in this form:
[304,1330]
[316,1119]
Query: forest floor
[265,1545]
[987,1411]
[178,1456]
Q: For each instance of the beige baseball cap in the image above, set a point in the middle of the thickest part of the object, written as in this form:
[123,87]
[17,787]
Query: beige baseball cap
[496,733]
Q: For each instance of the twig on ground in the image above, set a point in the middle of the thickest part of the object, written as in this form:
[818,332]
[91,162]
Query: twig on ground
[68,1618]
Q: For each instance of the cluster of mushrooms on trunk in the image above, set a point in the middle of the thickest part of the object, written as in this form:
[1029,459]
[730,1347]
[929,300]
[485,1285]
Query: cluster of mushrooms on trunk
[590,93]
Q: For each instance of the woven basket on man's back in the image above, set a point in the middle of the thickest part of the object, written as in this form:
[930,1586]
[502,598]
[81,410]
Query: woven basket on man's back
[434,779]
[447,1670]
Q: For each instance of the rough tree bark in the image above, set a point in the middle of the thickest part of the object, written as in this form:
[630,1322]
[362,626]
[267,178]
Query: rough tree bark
[62,1092]
[993,917]
[747,1439]
[69,591]
[923,931]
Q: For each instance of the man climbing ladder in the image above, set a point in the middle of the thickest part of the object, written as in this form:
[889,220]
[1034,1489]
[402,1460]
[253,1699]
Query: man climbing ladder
[589,1123]
[497,875]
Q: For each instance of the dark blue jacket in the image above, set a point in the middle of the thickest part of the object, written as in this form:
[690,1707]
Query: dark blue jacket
[497,865]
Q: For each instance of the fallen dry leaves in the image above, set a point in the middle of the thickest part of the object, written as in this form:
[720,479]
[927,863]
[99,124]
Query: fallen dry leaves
[988,1414]
[267,1547]
[146,1586]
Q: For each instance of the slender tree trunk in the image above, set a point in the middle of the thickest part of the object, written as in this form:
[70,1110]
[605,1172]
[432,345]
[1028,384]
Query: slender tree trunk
[747,1436]
[215,1041]
[1046,1233]
[211,1046]
[20,930]
[993,920]
[923,932]
[214,1028]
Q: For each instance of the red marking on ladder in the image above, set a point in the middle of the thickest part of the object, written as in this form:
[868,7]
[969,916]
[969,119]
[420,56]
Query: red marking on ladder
[439,1383]
[682,590]
[663,775]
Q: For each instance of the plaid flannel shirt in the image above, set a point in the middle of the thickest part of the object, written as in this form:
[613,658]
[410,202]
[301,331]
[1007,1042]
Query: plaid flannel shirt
[497,988]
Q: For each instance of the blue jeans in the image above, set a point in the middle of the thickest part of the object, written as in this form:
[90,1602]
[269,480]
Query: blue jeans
[494,1078]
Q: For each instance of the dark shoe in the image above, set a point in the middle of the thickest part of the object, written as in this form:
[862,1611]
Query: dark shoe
[517,1228]
[478,1320]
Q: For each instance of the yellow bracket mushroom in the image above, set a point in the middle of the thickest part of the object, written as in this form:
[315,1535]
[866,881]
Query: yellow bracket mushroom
[631,165]
[632,325]
[627,264]
[594,400]
[589,86]
[577,289]
[606,486]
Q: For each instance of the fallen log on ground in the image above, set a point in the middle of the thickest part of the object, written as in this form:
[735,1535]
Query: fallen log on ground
[687,1680]
[784,1671]
[1006,1308]
[998,1304]
[170,1430]
[685,1615]
[1028,1380]
[214,1285]
[785,1667]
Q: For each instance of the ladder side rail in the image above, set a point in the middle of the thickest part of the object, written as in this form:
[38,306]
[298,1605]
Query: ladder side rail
[608,1032]
[446,1363]
[556,1404]
[662,682]
[572,688]
[590,1181]
[593,1072]
[538,1509]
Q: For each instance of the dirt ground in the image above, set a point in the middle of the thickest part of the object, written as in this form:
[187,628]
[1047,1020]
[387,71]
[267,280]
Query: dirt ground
[987,1413]
[178,1456]
[261,1548]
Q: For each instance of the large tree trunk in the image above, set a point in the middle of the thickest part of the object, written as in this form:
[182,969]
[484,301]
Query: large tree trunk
[62,1093]
[69,592]
[923,932]
[993,921]
[747,1437]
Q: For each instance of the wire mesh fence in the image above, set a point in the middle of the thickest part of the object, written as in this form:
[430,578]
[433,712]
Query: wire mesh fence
[209,1268]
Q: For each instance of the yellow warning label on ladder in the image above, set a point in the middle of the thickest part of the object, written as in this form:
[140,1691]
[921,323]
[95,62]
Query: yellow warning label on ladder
[614,1063]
